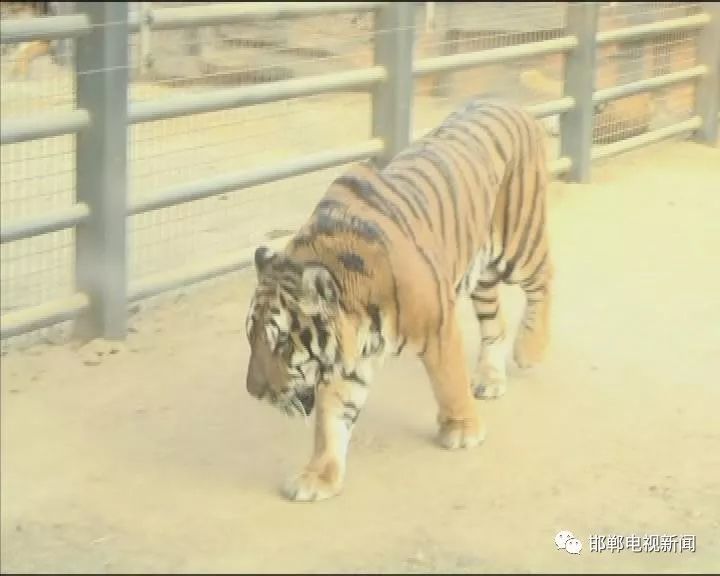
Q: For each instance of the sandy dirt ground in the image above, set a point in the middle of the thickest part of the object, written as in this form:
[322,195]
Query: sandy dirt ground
[152,457]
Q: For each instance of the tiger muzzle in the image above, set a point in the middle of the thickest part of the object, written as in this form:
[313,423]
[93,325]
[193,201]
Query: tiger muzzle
[307,399]
[256,386]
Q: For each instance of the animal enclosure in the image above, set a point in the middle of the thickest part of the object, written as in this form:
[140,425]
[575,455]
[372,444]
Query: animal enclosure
[148,148]
[238,116]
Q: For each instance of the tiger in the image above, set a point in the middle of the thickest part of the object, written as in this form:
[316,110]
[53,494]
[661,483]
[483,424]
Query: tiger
[379,267]
[29,51]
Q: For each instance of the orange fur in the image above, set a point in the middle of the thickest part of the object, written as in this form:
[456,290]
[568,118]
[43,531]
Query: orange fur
[28,51]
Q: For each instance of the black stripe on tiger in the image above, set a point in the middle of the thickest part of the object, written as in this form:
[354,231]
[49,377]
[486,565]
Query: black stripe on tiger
[487,285]
[396,302]
[294,322]
[331,218]
[528,283]
[419,199]
[487,315]
[364,191]
[354,377]
[448,176]
[470,187]
[484,299]
[514,185]
[483,187]
[322,333]
[350,413]
[374,313]
[353,263]
[522,247]
[505,155]
[477,138]
[417,171]
[509,178]
[306,339]
[390,185]
[522,218]
[539,232]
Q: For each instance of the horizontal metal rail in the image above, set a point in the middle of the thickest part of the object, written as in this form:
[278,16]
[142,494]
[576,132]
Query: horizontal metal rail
[653,29]
[204,270]
[648,84]
[43,28]
[250,95]
[551,108]
[43,315]
[43,126]
[607,150]
[198,271]
[209,14]
[236,181]
[542,110]
[492,56]
[134,18]
[58,220]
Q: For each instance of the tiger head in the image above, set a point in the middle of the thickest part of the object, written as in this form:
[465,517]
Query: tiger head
[292,330]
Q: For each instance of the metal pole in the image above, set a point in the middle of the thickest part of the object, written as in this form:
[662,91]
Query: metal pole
[576,126]
[392,99]
[707,94]
[144,11]
[101,169]
[63,46]
[429,16]
[449,44]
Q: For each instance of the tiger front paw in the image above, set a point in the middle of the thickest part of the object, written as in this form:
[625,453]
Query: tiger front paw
[489,380]
[311,486]
[489,388]
[456,434]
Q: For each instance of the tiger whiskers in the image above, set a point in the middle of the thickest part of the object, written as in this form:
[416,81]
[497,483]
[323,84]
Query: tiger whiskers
[295,401]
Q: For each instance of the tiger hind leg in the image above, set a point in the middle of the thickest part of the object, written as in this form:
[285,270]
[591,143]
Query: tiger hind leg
[534,333]
[489,379]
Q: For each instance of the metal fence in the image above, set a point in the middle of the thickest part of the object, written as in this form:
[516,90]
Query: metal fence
[175,137]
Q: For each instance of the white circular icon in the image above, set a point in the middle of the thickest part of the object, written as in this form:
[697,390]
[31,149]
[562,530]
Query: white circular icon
[565,540]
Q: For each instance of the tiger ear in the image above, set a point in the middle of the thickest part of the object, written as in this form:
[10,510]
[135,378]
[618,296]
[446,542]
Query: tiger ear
[320,292]
[263,256]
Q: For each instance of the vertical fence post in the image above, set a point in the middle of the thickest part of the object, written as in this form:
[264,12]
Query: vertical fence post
[144,12]
[392,99]
[63,52]
[447,34]
[576,125]
[707,92]
[101,169]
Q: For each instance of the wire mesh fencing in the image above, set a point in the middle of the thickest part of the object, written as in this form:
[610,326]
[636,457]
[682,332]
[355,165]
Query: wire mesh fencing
[187,54]
[36,176]
[170,152]
[458,28]
[634,60]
